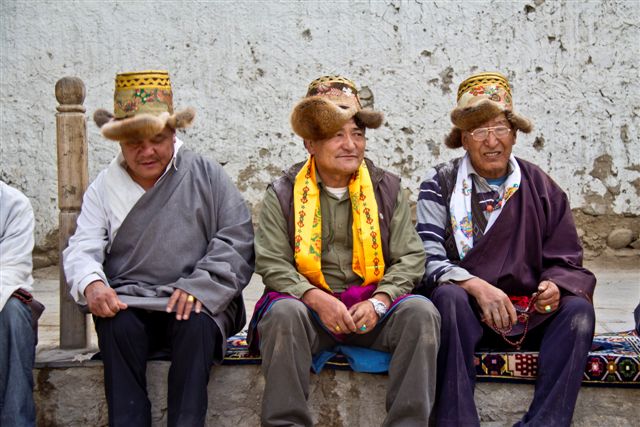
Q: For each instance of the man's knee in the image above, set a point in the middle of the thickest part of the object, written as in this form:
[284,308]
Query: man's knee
[449,299]
[284,314]
[420,308]
[16,332]
[124,325]
[420,316]
[581,314]
[285,318]
[16,316]
[197,326]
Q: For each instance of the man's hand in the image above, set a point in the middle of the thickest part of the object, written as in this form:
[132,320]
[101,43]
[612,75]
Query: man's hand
[497,309]
[183,302]
[333,313]
[548,296]
[103,300]
[365,316]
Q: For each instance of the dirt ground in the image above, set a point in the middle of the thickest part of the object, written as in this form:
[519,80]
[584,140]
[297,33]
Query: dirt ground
[593,230]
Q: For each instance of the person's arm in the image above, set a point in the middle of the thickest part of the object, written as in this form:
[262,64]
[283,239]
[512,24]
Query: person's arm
[226,267]
[16,242]
[561,248]
[84,256]
[275,263]
[432,218]
[405,267]
[495,306]
[274,256]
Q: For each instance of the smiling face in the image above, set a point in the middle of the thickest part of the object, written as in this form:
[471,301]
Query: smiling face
[148,158]
[338,157]
[490,158]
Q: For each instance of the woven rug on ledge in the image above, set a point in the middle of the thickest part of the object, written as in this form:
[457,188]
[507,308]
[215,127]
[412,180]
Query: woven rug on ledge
[614,360]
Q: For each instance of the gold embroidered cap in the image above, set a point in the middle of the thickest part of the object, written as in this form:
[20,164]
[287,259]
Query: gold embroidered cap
[330,102]
[142,107]
[480,98]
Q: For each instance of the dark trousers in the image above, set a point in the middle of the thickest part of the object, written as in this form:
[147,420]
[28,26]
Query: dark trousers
[127,340]
[563,342]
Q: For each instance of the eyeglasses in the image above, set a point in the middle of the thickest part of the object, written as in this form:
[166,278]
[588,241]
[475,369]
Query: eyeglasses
[481,134]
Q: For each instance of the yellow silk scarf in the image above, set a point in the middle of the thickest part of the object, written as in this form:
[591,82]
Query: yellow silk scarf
[367,262]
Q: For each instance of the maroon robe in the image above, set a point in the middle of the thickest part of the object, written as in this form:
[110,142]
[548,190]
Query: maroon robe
[533,239]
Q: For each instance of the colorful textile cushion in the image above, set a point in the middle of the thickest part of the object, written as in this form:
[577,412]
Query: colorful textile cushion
[614,359]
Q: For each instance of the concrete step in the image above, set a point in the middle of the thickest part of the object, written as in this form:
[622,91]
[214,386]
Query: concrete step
[72,394]
[69,388]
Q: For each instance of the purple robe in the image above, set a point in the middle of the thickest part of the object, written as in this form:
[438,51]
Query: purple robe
[533,239]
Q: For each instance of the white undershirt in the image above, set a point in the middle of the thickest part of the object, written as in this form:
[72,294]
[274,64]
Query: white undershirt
[337,191]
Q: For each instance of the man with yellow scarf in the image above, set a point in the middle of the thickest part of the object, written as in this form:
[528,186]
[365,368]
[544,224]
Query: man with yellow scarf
[338,255]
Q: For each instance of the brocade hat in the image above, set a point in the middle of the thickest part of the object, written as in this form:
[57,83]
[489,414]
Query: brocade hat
[331,101]
[142,107]
[482,97]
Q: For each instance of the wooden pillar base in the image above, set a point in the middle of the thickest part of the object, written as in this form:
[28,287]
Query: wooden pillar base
[73,323]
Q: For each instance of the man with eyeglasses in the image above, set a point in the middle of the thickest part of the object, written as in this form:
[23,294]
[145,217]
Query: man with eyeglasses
[504,261]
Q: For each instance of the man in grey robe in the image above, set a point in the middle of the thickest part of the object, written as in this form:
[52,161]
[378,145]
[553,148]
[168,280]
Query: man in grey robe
[162,251]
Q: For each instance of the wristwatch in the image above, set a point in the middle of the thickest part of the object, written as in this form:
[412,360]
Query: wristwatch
[379,307]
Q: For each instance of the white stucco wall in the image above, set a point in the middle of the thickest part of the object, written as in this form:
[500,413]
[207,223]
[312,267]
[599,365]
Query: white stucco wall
[573,67]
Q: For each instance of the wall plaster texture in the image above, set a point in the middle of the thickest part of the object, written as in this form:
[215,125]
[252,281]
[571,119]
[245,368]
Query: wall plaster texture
[573,67]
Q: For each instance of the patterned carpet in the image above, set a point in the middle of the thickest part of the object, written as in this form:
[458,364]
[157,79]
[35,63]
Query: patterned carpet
[614,360]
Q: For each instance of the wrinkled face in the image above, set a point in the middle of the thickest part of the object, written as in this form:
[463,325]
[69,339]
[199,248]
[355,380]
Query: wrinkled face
[338,157]
[490,157]
[147,159]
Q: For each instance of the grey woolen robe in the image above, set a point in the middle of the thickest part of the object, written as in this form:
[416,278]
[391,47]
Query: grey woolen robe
[191,231]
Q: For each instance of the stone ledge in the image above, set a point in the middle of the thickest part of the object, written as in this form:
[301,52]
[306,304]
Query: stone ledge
[72,394]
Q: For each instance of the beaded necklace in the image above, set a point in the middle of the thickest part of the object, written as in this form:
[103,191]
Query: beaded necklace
[524,307]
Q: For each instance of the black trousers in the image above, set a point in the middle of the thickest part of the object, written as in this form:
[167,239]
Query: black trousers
[127,340]
[563,342]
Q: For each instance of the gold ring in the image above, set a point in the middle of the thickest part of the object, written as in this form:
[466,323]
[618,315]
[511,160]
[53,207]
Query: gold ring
[363,327]
[337,328]
[547,308]
[190,298]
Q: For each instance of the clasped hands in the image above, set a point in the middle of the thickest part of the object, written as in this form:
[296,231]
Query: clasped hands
[360,318]
[496,308]
[103,301]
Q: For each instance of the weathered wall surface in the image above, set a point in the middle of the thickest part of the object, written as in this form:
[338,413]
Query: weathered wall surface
[242,65]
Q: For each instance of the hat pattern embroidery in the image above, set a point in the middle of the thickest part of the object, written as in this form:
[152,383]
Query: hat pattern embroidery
[142,97]
[481,97]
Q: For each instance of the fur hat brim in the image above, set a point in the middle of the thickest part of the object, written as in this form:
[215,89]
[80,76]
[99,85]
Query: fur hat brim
[141,126]
[317,117]
[472,117]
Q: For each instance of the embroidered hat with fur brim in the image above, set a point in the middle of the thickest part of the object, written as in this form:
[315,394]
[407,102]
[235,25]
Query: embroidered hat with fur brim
[331,101]
[482,97]
[143,107]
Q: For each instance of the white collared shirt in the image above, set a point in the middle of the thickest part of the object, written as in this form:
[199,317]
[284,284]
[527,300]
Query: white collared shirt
[105,205]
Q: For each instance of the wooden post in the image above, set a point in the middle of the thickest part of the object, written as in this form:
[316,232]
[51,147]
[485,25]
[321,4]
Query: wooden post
[73,179]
